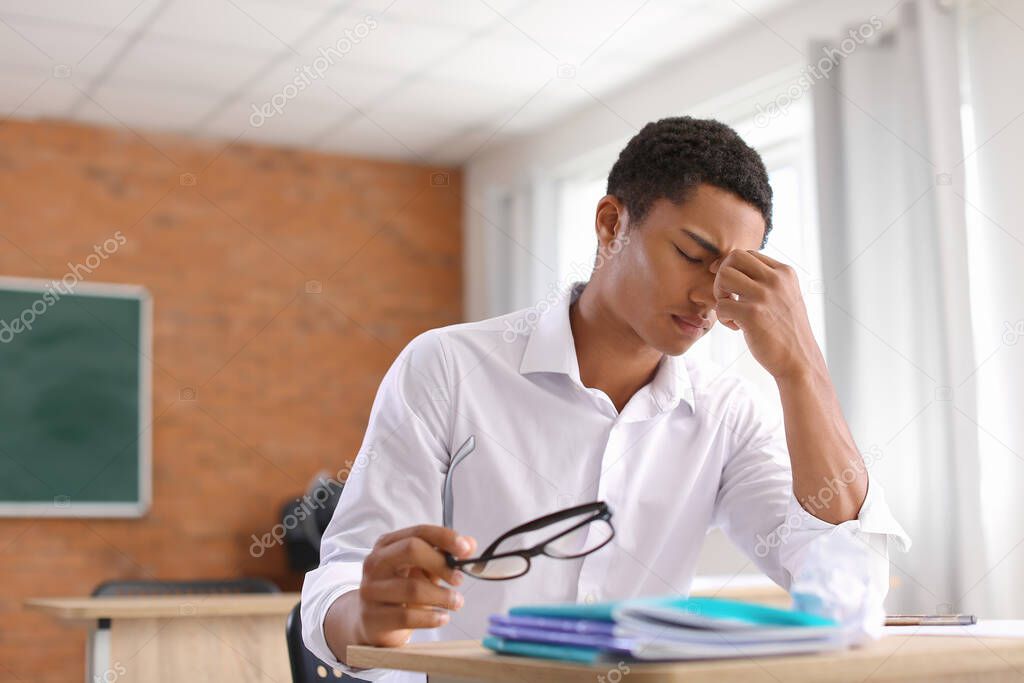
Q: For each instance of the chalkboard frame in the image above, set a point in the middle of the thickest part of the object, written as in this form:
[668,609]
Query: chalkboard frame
[133,509]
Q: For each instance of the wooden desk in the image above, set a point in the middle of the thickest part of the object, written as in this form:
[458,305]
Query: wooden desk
[219,637]
[764,592]
[930,659]
[194,638]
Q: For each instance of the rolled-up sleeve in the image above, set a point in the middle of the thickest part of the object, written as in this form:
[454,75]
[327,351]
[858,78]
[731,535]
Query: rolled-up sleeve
[394,482]
[836,570]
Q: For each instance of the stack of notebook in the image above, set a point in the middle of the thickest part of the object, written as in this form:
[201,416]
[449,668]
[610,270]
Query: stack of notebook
[669,628]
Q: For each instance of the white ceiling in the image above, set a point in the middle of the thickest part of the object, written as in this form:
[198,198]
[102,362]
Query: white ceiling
[436,81]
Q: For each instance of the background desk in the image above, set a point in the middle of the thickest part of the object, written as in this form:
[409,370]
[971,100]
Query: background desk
[219,638]
[194,638]
[943,659]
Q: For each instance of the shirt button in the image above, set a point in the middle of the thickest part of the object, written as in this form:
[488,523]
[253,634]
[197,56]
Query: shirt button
[590,599]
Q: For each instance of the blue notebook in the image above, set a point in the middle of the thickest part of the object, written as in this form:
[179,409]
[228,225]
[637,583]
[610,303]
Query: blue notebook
[606,628]
[660,628]
[541,635]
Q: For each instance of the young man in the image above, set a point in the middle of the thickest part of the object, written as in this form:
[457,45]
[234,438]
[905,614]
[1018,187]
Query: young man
[592,398]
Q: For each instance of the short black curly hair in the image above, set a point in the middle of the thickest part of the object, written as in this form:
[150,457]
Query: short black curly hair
[670,157]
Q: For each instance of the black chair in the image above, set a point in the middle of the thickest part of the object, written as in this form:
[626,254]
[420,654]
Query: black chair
[305,519]
[201,587]
[306,667]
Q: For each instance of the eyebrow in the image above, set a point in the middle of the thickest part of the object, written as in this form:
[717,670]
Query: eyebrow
[703,241]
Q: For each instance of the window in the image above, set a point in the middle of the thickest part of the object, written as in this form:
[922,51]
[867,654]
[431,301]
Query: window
[577,240]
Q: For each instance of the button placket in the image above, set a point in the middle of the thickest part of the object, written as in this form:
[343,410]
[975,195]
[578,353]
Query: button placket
[595,566]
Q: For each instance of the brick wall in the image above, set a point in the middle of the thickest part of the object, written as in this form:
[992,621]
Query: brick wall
[284,284]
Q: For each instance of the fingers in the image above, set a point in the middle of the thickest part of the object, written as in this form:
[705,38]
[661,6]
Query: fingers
[402,582]
[768,260]
[437,536]
[417,573]
[406,554]
[748,262]
[418,592]
[732,281]
[385,618]
[728,313]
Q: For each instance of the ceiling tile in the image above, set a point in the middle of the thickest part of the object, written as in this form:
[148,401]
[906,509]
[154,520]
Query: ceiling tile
[272,113]
[502,58]
[171,63]
[660,31]
[406,137]
[26,96]
[232,23]
[606,71]
[458,148]
[438,80]
[357,84]
[159,108]
[558,97]
[19,52]
[123,15]
[460,103]
[34,42]
[380,42]
[363,138]
[571,30]
[461,14]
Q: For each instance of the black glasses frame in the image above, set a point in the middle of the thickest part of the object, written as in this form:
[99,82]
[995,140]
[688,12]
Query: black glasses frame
[600,510]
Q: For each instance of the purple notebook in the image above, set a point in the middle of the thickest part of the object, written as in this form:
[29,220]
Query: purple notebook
[562,625]
[541,635]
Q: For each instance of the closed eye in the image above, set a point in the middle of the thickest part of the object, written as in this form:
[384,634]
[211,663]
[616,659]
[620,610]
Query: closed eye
[687,257]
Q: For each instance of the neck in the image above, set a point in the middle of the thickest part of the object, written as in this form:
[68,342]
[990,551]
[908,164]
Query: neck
[611,356]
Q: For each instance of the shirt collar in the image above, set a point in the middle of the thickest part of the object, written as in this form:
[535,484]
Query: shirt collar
[550,348]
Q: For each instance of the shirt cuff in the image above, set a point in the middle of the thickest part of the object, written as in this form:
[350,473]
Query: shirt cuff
[331,581]
[874,517]
[841,571]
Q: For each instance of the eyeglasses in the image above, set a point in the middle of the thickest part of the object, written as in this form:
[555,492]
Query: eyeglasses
[568,534]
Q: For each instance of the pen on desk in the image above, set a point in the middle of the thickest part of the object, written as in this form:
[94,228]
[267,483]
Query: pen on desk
[930,620]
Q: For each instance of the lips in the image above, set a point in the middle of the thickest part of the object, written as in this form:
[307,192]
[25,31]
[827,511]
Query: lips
[696,322]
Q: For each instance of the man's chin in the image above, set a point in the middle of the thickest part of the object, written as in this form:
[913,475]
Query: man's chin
[672,345]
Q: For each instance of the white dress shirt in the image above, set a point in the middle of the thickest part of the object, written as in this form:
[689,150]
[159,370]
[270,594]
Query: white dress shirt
[690,451]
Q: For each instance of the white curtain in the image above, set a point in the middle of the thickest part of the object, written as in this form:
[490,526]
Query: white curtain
[889,149]
[994,140]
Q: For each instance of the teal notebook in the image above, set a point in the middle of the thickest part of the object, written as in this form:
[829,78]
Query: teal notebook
[599,611]
[565,653]
[707,612]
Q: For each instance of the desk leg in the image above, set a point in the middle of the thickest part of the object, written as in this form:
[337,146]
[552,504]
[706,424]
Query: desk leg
[97,652]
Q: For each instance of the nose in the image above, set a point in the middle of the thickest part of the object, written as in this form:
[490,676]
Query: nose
[703,295]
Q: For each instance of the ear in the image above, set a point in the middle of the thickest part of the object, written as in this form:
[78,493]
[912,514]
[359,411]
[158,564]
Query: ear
[612,222]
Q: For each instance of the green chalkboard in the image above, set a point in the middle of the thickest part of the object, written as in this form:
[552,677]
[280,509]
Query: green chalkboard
[74,399]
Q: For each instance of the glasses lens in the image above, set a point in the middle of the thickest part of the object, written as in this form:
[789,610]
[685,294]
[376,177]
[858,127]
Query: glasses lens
[581,541]
[498,568]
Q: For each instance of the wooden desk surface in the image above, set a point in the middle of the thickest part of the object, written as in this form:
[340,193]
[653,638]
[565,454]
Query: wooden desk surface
[893,658]
[164,606]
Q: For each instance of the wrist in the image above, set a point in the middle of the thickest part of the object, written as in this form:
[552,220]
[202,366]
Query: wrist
[343,624]
[804,373]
